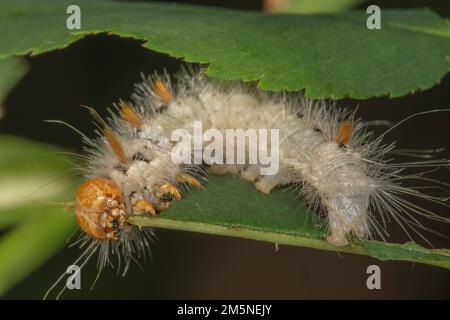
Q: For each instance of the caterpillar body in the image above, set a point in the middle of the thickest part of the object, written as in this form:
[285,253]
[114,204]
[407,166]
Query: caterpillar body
[335,162]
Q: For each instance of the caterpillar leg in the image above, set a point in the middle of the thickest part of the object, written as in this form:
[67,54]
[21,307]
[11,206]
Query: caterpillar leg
[190,180]
[161,198]
[347,215]
[143,206]
[267,183]
[168,192]
[250,173]
[337,236]
[339,230]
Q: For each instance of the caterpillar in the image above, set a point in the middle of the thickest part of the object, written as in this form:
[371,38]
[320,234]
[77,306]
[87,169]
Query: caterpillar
[331,158]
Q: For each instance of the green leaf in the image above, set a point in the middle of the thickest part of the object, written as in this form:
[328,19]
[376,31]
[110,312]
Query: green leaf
[231,207]
[32,242]
[31,171]
[35,182]
[331,55]
[315,6]
[11,70]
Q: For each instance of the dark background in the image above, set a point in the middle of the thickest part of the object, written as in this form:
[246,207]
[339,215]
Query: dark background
[99,70]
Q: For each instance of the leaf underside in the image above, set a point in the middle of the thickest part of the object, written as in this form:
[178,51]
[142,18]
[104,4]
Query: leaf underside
[327,55]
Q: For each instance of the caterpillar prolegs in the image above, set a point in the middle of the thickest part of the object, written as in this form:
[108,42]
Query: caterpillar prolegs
[334,161]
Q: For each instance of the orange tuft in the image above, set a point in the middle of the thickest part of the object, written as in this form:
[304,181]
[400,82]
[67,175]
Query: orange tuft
[128,114]
[163,92]
[116,146]
[344,133]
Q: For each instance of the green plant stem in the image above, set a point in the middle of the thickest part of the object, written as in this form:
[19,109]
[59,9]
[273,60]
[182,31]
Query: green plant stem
[277,238]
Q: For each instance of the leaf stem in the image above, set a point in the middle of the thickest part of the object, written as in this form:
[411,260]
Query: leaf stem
[293,240]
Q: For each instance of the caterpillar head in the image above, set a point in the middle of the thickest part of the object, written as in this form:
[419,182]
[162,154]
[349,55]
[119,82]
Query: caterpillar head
[100,211]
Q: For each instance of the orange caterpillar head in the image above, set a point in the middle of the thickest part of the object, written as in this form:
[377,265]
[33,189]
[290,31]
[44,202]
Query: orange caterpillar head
[99,208]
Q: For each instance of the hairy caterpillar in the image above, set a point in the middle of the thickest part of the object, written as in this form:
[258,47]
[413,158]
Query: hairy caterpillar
[335,162]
